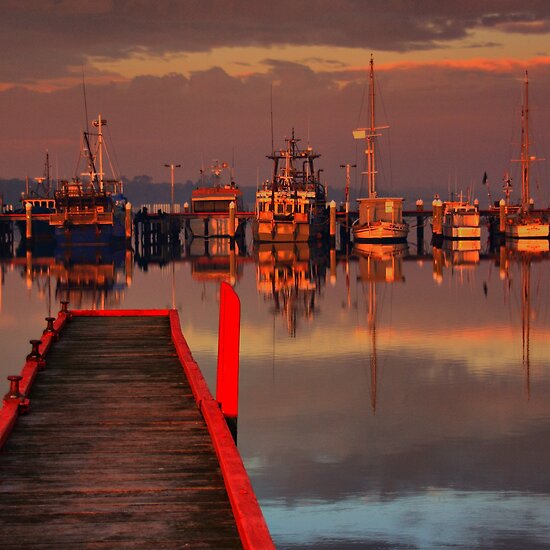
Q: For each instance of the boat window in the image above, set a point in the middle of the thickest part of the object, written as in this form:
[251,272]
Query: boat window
[289,208]
[279,209]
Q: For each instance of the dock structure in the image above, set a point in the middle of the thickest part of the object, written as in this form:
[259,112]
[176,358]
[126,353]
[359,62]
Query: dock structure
[121,444]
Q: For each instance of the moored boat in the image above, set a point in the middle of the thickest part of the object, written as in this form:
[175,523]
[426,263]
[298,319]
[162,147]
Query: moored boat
[524,224]
[291,207]
[460,220]
[91,211]
[40,199]
[210,205]
[380,218]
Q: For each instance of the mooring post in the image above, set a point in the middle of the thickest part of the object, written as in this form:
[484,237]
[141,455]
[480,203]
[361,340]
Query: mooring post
[28,221]
[128,221]
[420,227]
[50,328]
[437,217]
[502,216]
[14,392]
[332,223]
[227,382]
[232,225]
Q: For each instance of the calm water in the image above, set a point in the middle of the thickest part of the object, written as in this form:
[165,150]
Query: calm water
[387,399]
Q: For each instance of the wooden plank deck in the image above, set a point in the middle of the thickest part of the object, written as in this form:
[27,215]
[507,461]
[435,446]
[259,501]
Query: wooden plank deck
[114,452]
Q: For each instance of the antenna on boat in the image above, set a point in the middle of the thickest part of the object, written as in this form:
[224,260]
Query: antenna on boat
[85,101]
[271,109]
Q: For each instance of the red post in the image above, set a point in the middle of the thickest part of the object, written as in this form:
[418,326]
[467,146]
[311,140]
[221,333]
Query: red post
[227,384]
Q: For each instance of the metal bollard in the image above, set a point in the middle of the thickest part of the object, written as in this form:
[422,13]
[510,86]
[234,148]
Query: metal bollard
[14,392]
[50,329]
[35,354]
[64,306]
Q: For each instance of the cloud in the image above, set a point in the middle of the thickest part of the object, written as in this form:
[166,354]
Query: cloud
[50,38]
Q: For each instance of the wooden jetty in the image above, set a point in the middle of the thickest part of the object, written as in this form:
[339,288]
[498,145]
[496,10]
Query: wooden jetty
[122,444]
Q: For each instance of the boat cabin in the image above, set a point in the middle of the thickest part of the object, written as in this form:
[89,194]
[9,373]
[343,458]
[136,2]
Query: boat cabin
[215,199]
[386,209]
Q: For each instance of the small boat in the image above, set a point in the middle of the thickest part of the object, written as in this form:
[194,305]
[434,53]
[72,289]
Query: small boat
[210,204]
[41,200]
[292,207]
[460,220]
[91,211]
[524,224]
[380,218]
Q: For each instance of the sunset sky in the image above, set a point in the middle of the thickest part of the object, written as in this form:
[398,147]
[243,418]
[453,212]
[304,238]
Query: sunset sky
[192,81]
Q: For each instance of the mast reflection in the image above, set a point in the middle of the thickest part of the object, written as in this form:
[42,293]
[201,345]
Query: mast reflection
[378,263]
[524,252]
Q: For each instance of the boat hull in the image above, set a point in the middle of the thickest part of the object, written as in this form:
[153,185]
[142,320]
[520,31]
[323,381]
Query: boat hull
[528,230]
[380,232]
[91,233]
[461,233]
[274,231]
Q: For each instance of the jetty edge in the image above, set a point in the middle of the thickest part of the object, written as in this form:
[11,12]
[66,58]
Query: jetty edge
[248,517]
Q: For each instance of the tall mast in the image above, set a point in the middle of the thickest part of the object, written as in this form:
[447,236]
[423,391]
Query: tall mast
[369,134]
[525,160]
[99,123]
[371,169]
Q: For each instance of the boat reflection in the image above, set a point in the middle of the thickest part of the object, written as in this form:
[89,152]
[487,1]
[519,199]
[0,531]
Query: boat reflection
[91,277]
[292,275]
[460,256]
[378,263]
[214,260]
[523,253]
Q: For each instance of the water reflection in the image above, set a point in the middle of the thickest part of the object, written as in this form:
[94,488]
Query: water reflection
[291,276]
[448,346]
[378,263]
[91,277]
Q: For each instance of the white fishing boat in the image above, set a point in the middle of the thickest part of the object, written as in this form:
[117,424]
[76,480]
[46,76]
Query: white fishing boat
[291,207]
[210,204]
[525,224]
[380,218]
[460,220]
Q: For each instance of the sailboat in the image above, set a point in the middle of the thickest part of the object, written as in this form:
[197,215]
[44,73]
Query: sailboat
[380,218]
[525,225]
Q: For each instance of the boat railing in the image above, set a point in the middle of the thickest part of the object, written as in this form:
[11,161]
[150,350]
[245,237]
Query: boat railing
[83,217]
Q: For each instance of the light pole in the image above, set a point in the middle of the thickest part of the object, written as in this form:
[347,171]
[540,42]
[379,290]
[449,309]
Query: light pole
[172,167]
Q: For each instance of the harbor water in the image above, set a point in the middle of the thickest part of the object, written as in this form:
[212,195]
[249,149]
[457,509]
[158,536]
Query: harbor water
[390,397]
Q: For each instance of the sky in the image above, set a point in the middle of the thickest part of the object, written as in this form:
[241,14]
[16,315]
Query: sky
[187,82]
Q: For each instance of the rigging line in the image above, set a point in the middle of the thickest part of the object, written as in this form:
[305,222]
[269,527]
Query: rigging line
[271,113]
[111,148]
[85,101]
[388,130]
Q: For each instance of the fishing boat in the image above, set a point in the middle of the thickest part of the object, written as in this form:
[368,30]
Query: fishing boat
[460,220]
[210,204]
[291,207]
[525,224]
[39,197]
[90,210]
[380,218]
